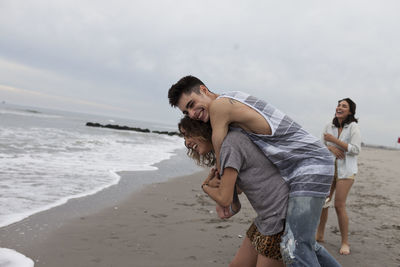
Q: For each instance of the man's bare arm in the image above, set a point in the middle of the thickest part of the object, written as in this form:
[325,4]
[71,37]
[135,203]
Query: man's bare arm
[220,120]
[226,111]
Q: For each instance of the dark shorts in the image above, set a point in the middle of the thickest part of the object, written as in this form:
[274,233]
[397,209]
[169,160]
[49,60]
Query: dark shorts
[267,245]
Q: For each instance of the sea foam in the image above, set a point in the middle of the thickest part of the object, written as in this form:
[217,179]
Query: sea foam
[11,258]
[44,167]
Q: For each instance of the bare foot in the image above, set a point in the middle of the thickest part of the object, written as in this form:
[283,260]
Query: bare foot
[345,249]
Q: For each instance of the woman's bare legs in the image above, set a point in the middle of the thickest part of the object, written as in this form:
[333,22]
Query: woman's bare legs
[342,190]
[247,256]
[324,216]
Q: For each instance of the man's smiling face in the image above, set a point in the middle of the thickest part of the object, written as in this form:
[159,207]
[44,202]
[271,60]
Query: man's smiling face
[196,106]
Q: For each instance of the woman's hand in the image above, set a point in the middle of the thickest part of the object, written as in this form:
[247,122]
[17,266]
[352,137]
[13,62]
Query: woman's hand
[212,178]
[223,212]
[215,182]
[329,137]
[223,194]
[337,152]
[343,146]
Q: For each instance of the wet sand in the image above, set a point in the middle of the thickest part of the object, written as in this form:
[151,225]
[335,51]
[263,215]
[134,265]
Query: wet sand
[173,223]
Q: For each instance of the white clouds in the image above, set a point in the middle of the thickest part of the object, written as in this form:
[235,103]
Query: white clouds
[301,56]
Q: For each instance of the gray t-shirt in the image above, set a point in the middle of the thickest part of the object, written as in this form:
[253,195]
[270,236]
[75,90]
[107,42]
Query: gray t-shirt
[259,179]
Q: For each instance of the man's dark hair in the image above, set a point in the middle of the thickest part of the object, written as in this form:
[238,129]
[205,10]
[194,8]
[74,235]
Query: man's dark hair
[186,85]
[350,118]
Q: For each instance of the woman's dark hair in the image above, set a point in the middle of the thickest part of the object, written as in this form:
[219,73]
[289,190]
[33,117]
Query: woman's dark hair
[194,128]
[350,118]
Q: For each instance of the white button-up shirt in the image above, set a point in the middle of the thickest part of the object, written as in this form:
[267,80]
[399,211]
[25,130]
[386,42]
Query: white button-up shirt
[351,135]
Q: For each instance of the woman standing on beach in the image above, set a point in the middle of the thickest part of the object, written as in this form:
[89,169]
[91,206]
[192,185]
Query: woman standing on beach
[243,167]
[343,139]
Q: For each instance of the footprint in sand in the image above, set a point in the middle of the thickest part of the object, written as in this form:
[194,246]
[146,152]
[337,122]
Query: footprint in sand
[186,204]
[223,226]
[160,215]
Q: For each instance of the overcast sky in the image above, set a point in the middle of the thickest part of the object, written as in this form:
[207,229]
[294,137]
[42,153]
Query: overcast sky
[119,58]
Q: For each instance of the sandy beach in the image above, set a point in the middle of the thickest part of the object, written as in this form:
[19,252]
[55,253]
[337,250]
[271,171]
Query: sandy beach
[173,223]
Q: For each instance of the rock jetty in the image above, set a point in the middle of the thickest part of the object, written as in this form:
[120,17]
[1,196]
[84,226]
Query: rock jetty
[126,128]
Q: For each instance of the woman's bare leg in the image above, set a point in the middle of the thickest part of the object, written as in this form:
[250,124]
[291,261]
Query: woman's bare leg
[321,227]
[324,216]
[246,256]
[342,190]
[263,261]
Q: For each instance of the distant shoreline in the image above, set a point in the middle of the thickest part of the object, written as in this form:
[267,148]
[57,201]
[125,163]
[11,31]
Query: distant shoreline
[380,147]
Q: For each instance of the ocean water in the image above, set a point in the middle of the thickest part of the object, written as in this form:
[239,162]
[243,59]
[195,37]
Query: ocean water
[48,157]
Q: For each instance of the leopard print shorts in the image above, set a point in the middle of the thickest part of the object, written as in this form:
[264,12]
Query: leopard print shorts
[267,245]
